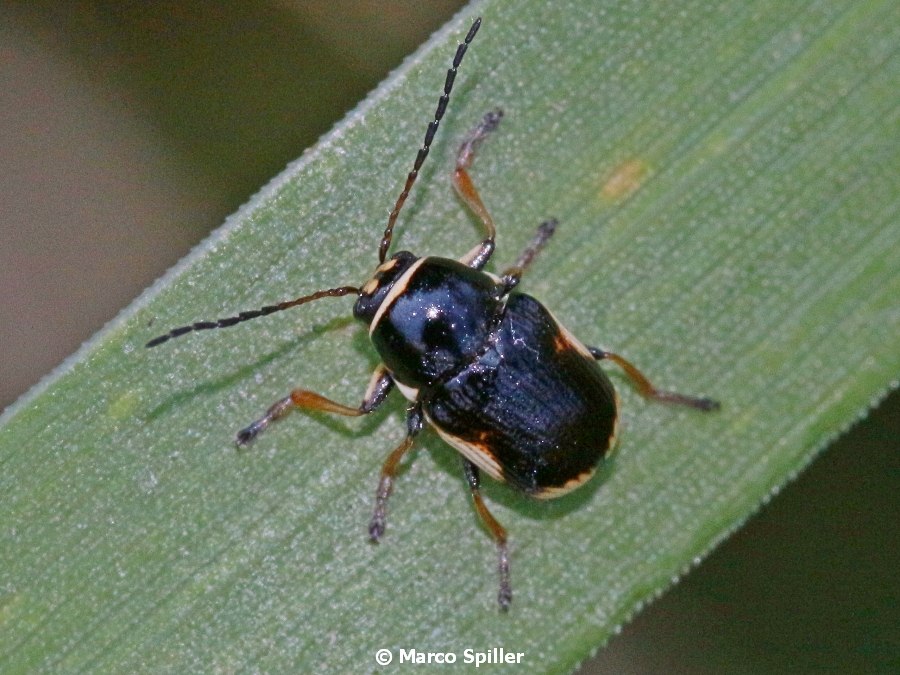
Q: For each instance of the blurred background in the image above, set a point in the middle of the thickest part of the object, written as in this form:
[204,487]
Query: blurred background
[130,130]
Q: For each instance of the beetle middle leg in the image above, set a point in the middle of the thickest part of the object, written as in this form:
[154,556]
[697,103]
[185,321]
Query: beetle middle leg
[465,188]
[389,472]
[504,596]
[380,385]
[646,388]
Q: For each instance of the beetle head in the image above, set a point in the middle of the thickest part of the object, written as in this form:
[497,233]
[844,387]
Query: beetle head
[375,290]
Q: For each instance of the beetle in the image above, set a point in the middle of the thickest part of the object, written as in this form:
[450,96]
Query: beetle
[488,368]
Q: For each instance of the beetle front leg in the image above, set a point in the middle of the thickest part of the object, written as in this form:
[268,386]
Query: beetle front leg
[465,188]
[380,385]
[513,275]
[504,596]
[646,388]
[389,472]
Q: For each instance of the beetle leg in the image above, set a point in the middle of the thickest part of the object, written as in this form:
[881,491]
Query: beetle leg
[513,275]
[389,471]
[380,385]
[646,388]
[504,596]
[462,183]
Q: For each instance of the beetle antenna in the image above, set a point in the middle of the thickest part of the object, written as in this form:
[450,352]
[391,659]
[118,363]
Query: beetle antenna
[251,314]
[429,136]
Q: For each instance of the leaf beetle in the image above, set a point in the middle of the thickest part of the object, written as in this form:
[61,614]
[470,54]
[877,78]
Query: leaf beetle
[489,368]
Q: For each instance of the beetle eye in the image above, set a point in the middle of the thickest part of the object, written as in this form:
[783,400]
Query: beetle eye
[374,291]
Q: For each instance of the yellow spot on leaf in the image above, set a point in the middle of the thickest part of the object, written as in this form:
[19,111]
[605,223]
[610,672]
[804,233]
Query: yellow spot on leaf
[624,180]
[10,607]
[122,407]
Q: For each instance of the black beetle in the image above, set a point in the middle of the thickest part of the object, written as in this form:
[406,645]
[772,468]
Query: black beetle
[491,370]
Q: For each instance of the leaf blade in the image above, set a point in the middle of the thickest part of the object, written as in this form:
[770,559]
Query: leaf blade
[168,538]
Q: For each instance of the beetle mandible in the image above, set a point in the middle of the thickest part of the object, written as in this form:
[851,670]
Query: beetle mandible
[490,369]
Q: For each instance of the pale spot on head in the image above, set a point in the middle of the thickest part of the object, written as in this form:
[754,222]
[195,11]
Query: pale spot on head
[387,266]
[370,287]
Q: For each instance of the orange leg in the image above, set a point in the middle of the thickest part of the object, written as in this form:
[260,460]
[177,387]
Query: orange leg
[379,387]
[462,183]
[646,388]
[498,532]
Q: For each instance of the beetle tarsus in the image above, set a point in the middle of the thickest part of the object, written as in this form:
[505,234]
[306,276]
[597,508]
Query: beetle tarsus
[504,596]
[706,404]
[246,435]
[513,275]
[389,469]
[376,528]
[379,516]
[489,123]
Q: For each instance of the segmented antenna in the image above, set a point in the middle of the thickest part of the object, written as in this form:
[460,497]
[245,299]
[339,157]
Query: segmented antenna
[386,239]
[251,314]
[429,136]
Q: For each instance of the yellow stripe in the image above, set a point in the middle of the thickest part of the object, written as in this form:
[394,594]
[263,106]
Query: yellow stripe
[398,288]
[474,453]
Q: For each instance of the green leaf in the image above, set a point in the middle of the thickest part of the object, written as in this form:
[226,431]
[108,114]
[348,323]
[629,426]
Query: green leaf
[727,184]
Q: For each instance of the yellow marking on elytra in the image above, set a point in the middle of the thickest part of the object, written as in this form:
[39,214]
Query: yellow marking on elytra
[614,436]
[565,340]
[565,488]
[625,180]
[560,344]
[479,455]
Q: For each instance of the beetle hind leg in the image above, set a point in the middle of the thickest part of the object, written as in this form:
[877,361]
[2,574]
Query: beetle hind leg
[389,472]
[498,532]
[379,387]
[646,388]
